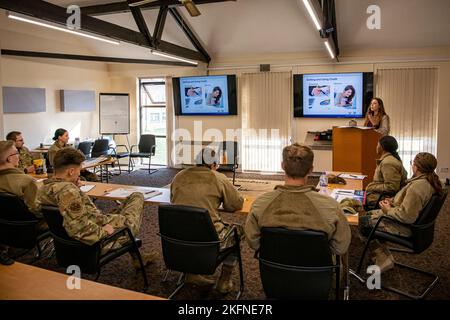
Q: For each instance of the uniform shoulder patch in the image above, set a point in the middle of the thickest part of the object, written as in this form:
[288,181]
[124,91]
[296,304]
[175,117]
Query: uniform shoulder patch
[75,207]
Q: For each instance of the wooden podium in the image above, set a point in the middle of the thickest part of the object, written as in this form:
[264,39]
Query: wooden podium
[354,150]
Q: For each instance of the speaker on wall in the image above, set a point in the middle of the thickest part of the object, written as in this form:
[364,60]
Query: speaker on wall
[77,100]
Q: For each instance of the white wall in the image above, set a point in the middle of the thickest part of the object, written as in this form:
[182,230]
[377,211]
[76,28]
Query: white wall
[124,78]
[53,76]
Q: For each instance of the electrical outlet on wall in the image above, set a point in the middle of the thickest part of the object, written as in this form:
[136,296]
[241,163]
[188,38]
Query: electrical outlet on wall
[444,170]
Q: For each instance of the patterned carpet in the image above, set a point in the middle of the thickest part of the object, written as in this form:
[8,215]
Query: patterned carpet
[121,274]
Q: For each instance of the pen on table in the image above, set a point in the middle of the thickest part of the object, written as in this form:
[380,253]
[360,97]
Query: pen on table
[108,190]
[353,176]
[151,191]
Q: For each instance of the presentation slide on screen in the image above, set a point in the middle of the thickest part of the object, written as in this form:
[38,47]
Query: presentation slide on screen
[333,95]
[204,95]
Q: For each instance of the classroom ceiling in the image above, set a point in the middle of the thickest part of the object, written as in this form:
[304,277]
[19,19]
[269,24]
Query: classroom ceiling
[252,27]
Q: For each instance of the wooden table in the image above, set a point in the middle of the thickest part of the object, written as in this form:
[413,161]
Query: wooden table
[85,166]
[20,281]
[100,191]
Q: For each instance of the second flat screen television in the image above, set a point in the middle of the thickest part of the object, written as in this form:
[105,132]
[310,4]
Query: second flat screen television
[332,95]
[205,95]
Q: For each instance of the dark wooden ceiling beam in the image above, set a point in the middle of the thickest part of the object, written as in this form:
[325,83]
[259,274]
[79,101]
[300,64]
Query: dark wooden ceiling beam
[142,25]
[56,14]
[51,55]
[160,22]
[189,33]
[120,7]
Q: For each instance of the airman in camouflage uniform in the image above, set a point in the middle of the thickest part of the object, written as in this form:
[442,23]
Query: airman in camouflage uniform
[390,176]
[81,218]
[202,186]
[405,207]
[14,180]
[25,157]
[298,206]
[83,221]
[61,138]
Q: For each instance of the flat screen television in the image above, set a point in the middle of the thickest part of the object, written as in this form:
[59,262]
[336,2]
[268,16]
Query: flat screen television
[332,95]
[205,96]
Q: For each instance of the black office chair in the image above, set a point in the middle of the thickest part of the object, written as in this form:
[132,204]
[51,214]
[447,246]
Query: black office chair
[85,148]
[88,257]
[100,148]
[18,226]
[230,148]
[146,149]
[190,243]
[120,155]
[421,238]
[297,264]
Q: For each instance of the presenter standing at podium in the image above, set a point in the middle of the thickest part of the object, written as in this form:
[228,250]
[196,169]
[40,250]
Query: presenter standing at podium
[377,118]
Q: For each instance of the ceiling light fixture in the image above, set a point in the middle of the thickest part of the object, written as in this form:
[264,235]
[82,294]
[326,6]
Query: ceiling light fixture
[313,14]
[330,51]
[23,18]
[139,3]
[165,55]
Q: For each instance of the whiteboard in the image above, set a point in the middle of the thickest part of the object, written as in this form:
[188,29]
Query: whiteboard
[114,113]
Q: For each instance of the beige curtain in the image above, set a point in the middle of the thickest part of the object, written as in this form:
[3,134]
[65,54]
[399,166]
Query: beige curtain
[265,99]
[410,100]
[170,116]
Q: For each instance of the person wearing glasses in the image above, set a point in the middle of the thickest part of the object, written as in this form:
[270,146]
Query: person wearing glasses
[25,157]
[405,207]
[13,180]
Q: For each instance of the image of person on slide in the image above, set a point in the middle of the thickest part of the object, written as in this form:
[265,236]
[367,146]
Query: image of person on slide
[345,98]
[192,92]
[317,91]
[213,99]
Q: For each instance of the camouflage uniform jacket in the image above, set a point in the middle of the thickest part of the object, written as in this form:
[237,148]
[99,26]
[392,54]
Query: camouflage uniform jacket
[407,204]
[25,158]
[389,177]
[54,149]
[208,189]
[301,208]
[82,220]
[15,181]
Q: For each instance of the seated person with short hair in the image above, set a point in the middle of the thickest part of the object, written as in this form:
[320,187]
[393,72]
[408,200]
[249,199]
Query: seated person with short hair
[202,186]
[25,157]
[404,207]
[296,205]
[13,180]
[390,175]
[82,220]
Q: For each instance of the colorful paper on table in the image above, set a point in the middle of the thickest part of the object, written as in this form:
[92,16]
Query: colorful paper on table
[341,194]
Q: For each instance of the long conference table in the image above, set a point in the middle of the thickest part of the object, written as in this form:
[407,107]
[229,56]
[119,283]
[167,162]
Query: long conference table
[103,190]
[24,282]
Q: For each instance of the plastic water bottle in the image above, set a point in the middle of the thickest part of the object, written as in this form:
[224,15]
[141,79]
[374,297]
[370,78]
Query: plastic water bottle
[323,182]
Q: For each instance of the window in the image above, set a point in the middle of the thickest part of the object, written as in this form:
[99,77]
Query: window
[152,112]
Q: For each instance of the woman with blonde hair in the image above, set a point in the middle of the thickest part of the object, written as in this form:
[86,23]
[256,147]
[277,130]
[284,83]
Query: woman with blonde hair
[377,118]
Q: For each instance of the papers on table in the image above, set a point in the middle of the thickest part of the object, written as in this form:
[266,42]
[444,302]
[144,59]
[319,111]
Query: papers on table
[341,194]
[352,176]
[93,161]
[123,193]
[87,188]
